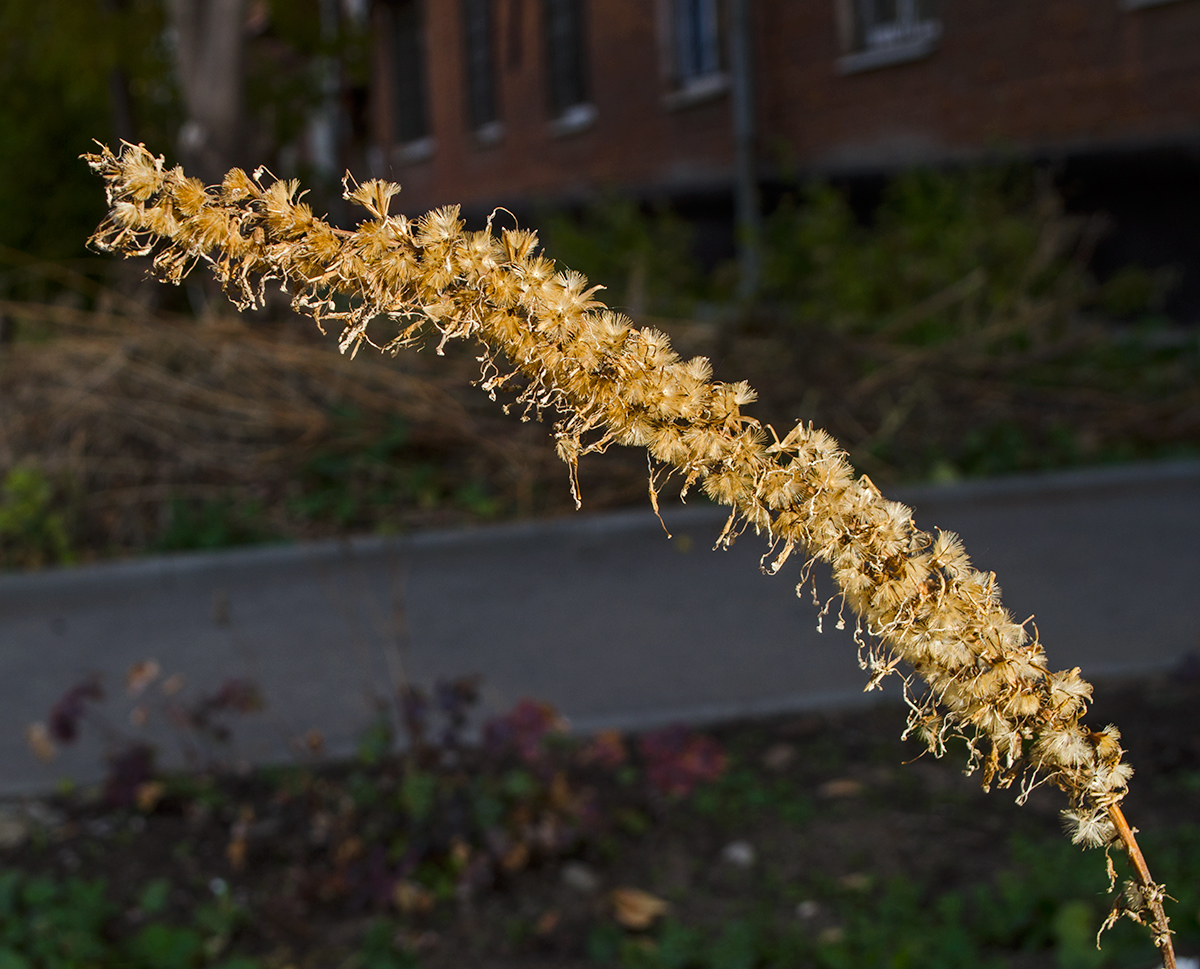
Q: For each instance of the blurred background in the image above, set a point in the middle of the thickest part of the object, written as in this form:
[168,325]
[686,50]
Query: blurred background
[960,236]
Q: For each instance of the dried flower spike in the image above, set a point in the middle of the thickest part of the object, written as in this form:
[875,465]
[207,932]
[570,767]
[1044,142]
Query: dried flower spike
[917,597]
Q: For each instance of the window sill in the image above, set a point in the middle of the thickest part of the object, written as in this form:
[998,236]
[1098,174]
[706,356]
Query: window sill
[1142,4]
[904,52]
[489,134]
[412,152]
[697,90]
[578,117]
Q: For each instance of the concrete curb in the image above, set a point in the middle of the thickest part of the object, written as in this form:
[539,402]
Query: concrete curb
[185,564]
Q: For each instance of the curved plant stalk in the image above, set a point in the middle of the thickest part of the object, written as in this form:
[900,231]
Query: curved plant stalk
[916,597]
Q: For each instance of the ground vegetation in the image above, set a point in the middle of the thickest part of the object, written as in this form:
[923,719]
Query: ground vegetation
[811,840]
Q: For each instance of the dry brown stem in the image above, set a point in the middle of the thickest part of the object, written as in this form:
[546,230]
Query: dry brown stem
[915,596]
[1151,893]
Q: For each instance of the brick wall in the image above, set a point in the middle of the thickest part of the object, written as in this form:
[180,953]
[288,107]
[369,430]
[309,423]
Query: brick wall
[1034,76]
[1043,76]
[633,141]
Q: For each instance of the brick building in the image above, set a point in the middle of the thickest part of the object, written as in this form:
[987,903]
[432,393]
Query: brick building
[489,102]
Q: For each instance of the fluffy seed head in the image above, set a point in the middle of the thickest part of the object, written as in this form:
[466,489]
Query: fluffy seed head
[607,381]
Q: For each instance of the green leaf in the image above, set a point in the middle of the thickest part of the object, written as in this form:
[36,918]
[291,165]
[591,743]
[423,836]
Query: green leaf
[379,949]
[735,949]
[519,784]
[376,742]
[1075,927]
[603,943]
[160,946]
[677,946]
[155,896]
[417,794]
[11,959]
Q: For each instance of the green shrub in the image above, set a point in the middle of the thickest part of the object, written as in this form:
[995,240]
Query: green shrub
[33,531]
[981,238]
[646,255]
[215,523]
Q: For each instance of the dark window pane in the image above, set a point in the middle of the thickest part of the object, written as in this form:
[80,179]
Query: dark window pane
[697,50]
[926,9]
[481,78]
[876,13]
[564,54]
[408,67]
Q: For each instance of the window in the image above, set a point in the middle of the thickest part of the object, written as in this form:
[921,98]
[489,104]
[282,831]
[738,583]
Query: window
[697,41]
[410,115]
[694,50]
[888,32]
[565,67]
[478,33]
[890,23]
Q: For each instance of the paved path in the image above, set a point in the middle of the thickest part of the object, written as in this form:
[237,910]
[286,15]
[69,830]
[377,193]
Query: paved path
[601,615]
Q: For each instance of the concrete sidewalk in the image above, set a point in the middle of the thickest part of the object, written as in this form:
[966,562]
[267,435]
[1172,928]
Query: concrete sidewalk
[601,615]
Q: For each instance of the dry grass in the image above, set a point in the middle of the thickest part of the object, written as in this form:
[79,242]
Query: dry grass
[1088,393]
[128,410]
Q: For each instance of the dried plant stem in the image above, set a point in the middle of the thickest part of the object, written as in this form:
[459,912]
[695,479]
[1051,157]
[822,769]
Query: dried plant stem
[1152,892]
[917,598]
